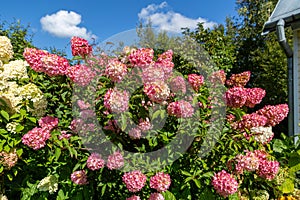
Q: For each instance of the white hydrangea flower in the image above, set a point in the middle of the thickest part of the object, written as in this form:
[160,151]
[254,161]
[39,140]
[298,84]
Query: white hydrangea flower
[3,197]
[16,69]
[6,49]
[11,127]
[262,134]
[49,183]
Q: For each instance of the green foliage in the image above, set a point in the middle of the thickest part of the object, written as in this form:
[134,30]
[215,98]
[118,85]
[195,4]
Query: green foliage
[239,46]
[211,149]
[18,34]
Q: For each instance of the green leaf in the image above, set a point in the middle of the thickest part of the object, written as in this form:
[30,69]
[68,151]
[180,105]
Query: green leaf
[186,173]
[19,152]
[2,131]
[155,114]
[197,182]
[168,195]
[19,128]
[5,115]
[207,194]
[287,186]
[57,153]
[278,146]
[9,176]
[103,190]
[32,119]
[233,197]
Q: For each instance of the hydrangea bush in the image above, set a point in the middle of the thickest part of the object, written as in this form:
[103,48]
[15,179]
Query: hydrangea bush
[53,145]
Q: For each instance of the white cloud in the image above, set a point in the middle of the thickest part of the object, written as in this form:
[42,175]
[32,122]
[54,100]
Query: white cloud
[168,20]
[64,24]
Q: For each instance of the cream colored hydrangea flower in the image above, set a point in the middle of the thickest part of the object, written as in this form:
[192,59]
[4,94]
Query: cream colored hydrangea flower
[33,93]
[263,134]
[10,93]
[15,95]
[6,49]
[3,197]
[11,127]
[16,69]
[49,183]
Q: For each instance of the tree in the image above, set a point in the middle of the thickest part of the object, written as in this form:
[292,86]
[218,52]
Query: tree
[240,46]
[19,35]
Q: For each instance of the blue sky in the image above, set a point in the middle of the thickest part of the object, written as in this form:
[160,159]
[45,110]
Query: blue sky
[53,22]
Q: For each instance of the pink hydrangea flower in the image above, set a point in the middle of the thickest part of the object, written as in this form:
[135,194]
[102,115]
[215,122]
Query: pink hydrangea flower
[156,196]
[8,159]
[196,81]
[152,74]
[224,183]
[180,109]
[141,57]
[115,161]
[95,162]
[48,122]
[160,181]
[135,133]
[79,177]
[274,114]
[33,57]
[218,77]
[36,138]
[236,97]
[76,125]
[83,105]
[54,65]
[249,162]
[112,125]
[164,62]
[134,180]
[134,197]
[80,47]
[261,154]
[64,135]
[157,91]
[254,96]
[144,125]
[115,70]
[85,114]
[268,169]
[239,80]
[81,74]
[177,85]
[43,61]
[249,121]
[116,101]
